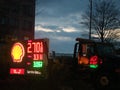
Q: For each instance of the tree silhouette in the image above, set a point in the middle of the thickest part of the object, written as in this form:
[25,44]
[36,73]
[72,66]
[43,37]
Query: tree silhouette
[105,20]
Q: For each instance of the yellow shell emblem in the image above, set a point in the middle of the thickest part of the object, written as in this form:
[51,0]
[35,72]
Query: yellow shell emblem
[17,52]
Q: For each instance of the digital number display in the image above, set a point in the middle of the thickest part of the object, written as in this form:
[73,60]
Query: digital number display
[35,50]
[37,64]
[28,57]
[35,47]
[19,71]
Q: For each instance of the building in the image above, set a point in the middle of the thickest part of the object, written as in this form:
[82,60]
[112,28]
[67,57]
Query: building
[17,19]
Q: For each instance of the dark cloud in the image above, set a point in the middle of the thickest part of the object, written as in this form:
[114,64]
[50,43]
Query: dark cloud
[53,27]
[61,7]
[55,16]
[62,42]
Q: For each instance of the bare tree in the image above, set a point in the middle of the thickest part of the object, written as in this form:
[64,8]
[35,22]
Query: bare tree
[113,35]
[105,19]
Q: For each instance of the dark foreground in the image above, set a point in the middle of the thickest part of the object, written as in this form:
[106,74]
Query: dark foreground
[45,84]
[42,85]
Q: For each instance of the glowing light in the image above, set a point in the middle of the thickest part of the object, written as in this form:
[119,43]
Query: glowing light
[33,72]
[83,60]
[29,48]
[35,47]
[35,50]
[94,62]
[17,52]
[93,66]
[37,64]
[28,63]
[37,56]
[19,71]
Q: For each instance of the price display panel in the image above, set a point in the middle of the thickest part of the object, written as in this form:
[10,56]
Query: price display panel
[28,57]
[35,52]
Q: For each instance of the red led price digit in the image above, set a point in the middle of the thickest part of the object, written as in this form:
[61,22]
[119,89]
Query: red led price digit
[41,45]
[34,46]
[35,49]
[38,57]
[29,48]
[38,47]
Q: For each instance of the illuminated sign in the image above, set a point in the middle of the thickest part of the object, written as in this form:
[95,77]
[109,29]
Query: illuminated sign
[93,66]
[30,54]
[37,64]
[94,62]
[17,52]
[35,50]
[33,72]
[19,71]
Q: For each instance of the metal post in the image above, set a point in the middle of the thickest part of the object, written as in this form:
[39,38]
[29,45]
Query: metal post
[90,19]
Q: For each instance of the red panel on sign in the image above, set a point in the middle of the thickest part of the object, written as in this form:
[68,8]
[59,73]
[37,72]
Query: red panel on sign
[20,71]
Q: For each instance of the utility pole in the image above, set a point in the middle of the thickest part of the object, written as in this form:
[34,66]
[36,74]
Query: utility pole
[90,19]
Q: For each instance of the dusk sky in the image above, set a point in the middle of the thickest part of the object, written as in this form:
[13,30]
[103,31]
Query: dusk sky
[59,20]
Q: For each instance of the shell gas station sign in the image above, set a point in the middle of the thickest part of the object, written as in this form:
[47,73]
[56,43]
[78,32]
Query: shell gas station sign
[29,57]
[17,52]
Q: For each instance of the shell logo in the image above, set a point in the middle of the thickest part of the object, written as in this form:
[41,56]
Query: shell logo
[17,52]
